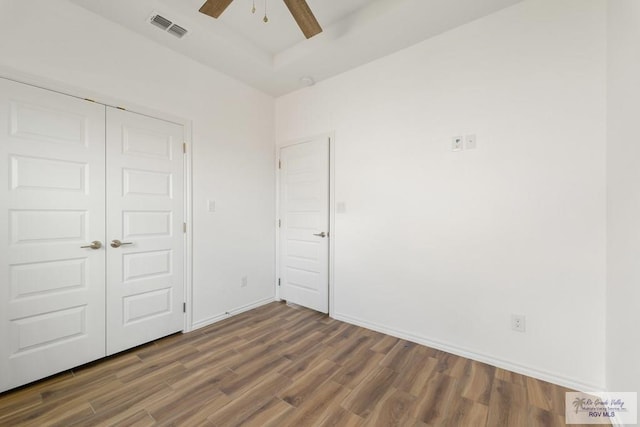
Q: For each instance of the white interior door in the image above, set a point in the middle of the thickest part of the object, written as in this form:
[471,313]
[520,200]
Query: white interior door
[304,224]
[52,202]
[145,199]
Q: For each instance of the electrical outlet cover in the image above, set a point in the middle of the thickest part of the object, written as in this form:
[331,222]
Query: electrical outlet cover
[518,323]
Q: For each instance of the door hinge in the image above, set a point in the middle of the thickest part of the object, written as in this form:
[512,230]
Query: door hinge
[184,227]
[279,164]
[184,147]
[184,307]
[278,281]
[279,223]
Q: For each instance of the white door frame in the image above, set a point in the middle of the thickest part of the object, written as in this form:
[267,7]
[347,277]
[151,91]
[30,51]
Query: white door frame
[332,211]
[55,86]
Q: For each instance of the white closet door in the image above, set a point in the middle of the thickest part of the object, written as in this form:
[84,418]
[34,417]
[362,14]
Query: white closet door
[145,199]
[52,202]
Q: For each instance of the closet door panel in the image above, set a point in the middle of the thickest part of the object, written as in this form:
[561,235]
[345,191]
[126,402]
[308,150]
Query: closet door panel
[145,200]
[52,202]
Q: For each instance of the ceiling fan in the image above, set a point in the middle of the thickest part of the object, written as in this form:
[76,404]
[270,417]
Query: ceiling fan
[298,8]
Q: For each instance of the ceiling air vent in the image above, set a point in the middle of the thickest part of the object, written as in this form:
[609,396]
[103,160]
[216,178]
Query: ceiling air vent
[168,26]
[177,31]
[160,21]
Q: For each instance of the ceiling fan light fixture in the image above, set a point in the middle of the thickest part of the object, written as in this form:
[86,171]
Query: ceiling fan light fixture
[265,19]
[299,9]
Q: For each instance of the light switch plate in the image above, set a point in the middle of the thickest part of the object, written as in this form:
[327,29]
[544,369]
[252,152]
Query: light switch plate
[211,205]
[456,143]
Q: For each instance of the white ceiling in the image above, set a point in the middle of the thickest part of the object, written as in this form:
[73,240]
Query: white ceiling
[273,57]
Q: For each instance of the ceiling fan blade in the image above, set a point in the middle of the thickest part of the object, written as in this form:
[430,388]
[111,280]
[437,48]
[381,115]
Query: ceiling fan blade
[304,17]
[214,8]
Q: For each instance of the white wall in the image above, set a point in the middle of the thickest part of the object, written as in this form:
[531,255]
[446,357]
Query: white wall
[443,247]
[232,134]
[623,173]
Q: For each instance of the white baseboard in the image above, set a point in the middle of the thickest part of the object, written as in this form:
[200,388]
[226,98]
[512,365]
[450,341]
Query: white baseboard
[213,319]
[459,351]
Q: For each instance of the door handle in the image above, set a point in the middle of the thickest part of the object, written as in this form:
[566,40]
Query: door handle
[323,234]
[96,244]
[118,243]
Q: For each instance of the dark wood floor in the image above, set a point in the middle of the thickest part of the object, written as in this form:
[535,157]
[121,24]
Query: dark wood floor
[284,366]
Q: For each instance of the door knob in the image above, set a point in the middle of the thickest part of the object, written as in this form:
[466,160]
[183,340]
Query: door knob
[323,234]
[96,244]
[118,243]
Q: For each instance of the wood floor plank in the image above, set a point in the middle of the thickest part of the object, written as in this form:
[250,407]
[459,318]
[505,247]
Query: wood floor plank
[435,400]
[61,413]
[250,351]
[266,414]
[354,371]
[198,418]
[452,365]
[279,366]
[128,395]
[508,404]
[243,407]
[314,409]
[337,416]
[296,350]
[262,328]
[299,332]
[362,400]
[347,350]
[217,343]
[253,372]
[511,377]
[108,366]
[113,417]
[19,402]
[385,344]
[466,412]
[419,369]
[189,395]
[267,337]
[152,372]
[545,396]
[302,365]
[393,410]
[399,356]
[182,404]
[139,419]
[477,382]
[81,392]
[219,358]
[340,335]
[540,418]
[300,391]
